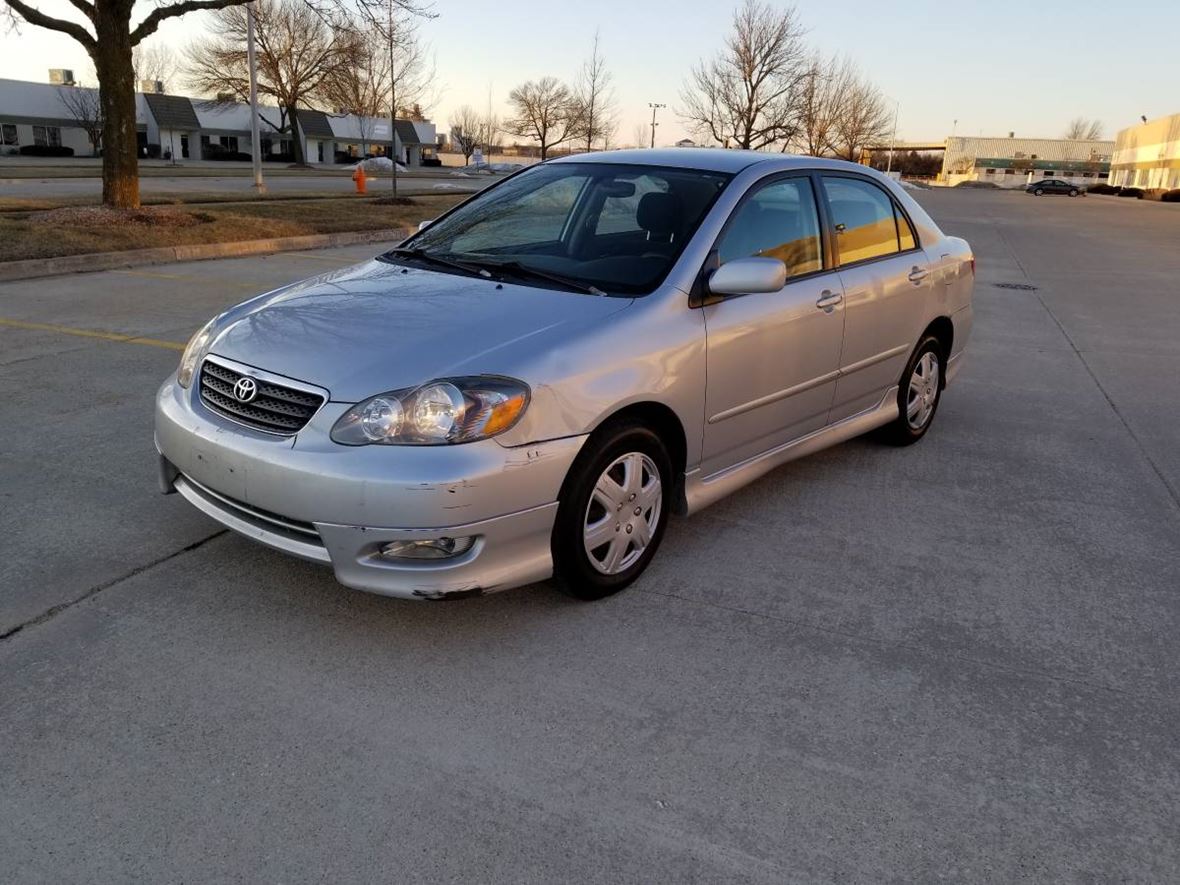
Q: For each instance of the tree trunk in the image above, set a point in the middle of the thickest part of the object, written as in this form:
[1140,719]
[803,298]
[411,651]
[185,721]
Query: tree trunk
[112,63]
[296,142]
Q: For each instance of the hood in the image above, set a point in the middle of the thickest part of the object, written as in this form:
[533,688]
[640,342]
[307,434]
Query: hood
[379,326]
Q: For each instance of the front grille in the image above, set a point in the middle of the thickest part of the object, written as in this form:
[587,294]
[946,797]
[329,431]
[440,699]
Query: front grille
[275,409]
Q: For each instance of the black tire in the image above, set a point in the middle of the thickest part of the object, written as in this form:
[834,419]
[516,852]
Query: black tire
[901,431]
[573,571]
[1074,192]
[1038,192]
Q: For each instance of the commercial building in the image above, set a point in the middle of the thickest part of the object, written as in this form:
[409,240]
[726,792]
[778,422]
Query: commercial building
[181,128]
[1014,162]
[1148,155]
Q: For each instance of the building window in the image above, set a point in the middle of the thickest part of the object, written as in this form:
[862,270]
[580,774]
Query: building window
[285,146]
[1009,171]
[229,142]
[184,146]
[989,171]
[47,136]
[9,133]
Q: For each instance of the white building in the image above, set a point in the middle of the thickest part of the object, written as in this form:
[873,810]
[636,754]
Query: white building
[1014,162]
[35,116]
[1148,156]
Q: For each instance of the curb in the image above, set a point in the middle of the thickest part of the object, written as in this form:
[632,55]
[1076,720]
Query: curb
[68,264]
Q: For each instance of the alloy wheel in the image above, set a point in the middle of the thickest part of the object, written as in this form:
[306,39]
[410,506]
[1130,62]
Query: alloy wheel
[923,392]
[623,513]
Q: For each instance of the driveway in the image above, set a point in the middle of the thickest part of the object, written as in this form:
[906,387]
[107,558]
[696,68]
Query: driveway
[958,661]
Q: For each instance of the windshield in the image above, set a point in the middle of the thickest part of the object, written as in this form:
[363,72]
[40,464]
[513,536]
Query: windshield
[594,227]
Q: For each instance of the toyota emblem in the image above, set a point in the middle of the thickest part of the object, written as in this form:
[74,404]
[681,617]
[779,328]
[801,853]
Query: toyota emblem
[245,389]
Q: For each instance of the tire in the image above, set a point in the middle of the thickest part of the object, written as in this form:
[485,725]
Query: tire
[1074,192]
[625,459]
[1038,192]
[907,429]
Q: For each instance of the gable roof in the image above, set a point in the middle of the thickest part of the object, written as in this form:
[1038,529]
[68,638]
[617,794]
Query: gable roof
[172,111]
[406,133]
[314,123]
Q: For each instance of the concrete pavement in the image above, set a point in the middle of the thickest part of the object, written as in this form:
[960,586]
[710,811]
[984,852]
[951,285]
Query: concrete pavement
[957,661]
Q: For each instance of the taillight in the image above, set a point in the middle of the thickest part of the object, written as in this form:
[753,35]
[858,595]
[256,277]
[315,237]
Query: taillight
[972,265]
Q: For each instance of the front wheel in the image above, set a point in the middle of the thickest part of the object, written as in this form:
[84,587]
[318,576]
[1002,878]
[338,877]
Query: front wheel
[613,512]
[918,394]
[1038,192]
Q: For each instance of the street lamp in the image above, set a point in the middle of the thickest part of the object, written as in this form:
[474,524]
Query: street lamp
[255,147]
[893,137]
[654,107]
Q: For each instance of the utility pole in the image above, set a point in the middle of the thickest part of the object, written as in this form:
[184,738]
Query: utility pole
[654,107]
[892,138]
[255,147]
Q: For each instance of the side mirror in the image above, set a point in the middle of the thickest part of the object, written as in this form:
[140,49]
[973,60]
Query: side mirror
[748,276]
[422,225]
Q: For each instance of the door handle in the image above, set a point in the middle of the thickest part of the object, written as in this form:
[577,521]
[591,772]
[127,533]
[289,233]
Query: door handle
[918,274]
[828,300]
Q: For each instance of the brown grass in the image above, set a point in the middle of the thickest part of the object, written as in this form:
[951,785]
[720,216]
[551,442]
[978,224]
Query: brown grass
[22,236]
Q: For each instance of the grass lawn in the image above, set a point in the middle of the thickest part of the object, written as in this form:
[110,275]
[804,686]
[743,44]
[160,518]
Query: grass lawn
[21,237]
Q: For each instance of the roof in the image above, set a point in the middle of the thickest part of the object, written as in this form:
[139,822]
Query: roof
[41,103]
[406,133]
[314,123]
[172,111]
[709,159]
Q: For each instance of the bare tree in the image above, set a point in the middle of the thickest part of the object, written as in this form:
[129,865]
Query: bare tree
[1081,129]
[85,108]
[298,52]
[864,117]
[362,86]
[465,130]
[110,44]
[748,95]
[156,63]
[595,99]
[640,135]
[545,111]
[821,102]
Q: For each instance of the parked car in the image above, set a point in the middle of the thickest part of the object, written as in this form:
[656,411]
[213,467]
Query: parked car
[1053,186]
[535,381]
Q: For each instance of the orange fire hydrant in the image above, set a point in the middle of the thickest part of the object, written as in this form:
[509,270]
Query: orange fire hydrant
[359,178]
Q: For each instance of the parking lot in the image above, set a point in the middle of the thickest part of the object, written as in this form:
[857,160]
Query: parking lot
[958,661]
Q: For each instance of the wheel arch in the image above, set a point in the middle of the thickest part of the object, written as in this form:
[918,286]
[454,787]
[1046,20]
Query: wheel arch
[944,330]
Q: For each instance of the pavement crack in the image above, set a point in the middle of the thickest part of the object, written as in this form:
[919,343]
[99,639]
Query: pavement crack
[1172,492]
[56,610]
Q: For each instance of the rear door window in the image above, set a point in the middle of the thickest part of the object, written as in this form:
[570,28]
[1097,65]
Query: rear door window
[866,220]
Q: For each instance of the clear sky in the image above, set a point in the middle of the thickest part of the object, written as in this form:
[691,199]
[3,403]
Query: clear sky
[996,67]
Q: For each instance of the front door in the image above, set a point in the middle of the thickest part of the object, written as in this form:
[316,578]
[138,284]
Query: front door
[772,358]
[887,286]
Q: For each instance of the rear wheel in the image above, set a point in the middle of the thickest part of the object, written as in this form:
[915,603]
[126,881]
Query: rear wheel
[1038,192]
[1073,192]
[918,394]
[613,512]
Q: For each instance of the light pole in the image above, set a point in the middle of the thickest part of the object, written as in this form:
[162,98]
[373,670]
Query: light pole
[654,107]
[893,137]
[255,147]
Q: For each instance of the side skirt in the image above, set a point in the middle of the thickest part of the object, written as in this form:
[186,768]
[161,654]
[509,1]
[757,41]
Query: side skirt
[701,491]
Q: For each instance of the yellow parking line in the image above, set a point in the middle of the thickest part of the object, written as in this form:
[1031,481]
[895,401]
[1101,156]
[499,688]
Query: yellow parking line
[91,333]
[322,258]
[184,278]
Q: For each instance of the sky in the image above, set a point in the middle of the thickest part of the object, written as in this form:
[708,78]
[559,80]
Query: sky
[994,68]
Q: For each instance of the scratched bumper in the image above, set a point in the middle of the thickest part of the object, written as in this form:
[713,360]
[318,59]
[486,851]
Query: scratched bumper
[355,500]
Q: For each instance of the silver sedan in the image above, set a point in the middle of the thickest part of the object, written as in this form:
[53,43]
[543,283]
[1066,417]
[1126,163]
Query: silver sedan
[532,384]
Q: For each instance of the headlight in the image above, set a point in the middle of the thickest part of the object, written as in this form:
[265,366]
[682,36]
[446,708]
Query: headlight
[193,353]
[450,410]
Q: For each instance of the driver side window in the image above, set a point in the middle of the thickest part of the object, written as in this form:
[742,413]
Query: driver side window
[778,221]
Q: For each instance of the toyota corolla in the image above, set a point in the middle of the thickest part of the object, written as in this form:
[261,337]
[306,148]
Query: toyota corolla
[532,384]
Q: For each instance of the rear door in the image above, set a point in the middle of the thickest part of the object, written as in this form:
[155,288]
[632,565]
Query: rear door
[772,357]
[887,285]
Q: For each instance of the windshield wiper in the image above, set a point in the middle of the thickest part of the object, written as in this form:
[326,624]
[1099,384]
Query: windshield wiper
[433,258]
[521,270]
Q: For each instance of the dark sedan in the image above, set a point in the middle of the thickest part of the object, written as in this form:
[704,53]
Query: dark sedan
[1053,186]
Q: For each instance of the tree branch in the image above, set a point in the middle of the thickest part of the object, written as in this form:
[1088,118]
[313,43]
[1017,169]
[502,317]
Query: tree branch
[148,26]
[41,20]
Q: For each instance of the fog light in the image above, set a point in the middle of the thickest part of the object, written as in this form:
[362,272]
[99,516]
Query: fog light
[430,548]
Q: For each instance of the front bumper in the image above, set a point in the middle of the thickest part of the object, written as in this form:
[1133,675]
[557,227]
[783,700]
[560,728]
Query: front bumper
[339,505]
